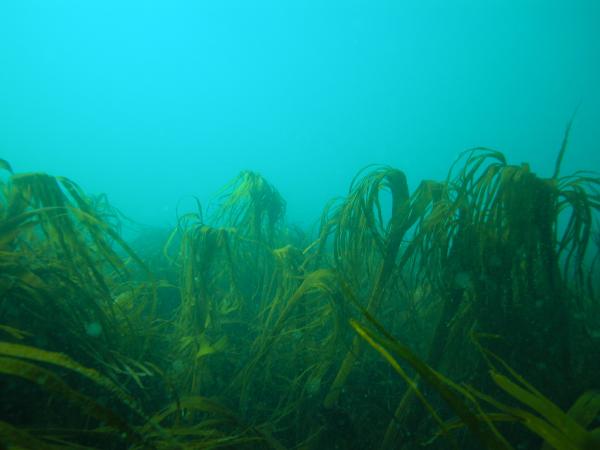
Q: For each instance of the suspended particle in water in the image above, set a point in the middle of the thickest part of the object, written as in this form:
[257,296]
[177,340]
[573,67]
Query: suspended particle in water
[93,329]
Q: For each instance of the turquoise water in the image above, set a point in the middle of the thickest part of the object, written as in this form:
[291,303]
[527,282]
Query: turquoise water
[238,329]
[153,101]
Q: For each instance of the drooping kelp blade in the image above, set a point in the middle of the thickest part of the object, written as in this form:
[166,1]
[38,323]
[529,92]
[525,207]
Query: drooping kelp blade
[4,165]
[52,383]
[386,345]
[16,438]
[557,428]
[61,360]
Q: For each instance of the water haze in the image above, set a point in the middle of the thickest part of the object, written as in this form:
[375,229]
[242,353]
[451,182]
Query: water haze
[154,101]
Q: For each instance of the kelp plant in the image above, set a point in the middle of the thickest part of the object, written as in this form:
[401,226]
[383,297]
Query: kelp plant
[244,333]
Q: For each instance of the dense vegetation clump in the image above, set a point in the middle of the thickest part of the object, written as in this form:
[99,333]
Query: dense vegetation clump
[461,315]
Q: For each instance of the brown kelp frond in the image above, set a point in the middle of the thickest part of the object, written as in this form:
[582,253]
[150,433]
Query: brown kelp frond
[200,422]
[35,354]
[54,384]
[14,332]
[307,319]
[564,145]
[578,204]
[397,256]
[493,237]
[557,428]
[554,426]
[363,220]
[4,165]
[16,438]
[37,273]
[60,270]
[322,282]
[54,214]
[209,295]
[387,346]
[586,408]
[511,205]
[207,272]
[251,205]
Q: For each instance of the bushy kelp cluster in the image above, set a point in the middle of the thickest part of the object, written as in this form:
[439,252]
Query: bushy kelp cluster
[463,314]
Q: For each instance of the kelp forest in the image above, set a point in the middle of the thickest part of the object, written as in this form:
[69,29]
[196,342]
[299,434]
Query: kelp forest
[462,315]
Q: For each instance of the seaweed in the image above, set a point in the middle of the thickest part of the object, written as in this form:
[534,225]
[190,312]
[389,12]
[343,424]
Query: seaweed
[238,330]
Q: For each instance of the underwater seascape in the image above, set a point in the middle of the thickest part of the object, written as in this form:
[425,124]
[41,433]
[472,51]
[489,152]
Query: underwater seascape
[439,299]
